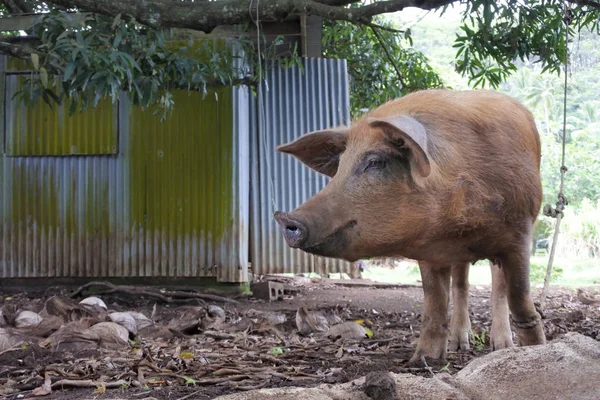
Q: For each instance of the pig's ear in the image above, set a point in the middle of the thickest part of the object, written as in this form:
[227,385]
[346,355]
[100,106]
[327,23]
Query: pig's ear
[409,133]
[320,150]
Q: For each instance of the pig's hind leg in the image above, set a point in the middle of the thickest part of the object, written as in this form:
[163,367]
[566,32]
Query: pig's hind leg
[460,323]
[525,318]
[500,335]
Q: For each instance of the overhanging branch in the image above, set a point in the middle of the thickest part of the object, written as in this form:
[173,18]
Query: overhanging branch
[205,16]
[16,50]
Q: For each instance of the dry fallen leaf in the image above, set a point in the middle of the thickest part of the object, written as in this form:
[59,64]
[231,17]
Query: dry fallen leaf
[8,340]
[73,336]
[100,389]
[348,330]
[310,321]
[112,335]
[68,310]
[45,389]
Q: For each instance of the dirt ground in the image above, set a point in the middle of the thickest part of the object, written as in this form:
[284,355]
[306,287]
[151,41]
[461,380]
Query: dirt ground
[189,354]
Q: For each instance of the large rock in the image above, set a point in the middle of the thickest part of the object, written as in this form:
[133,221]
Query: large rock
[564,369]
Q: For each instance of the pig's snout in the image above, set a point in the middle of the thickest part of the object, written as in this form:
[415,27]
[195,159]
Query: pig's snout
[294,231]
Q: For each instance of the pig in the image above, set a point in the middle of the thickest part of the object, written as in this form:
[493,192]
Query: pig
[439,176]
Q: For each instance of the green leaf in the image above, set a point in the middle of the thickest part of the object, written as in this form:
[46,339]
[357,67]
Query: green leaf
[276,351]
[116,21]
[117,40]
[69,69]
[35,60]
[44,77]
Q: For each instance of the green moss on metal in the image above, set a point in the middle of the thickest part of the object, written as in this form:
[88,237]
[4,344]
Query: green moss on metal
[34,197]
[38,200]
[43,130]
[181,168]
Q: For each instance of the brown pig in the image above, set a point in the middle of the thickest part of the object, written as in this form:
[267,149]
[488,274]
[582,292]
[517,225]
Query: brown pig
[438,176]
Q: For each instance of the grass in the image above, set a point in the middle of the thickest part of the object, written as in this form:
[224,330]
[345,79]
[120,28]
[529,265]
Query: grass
[573,272]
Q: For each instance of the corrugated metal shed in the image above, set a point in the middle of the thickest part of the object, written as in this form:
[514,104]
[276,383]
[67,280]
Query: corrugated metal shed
[291,103]
[164,201]
[115,192]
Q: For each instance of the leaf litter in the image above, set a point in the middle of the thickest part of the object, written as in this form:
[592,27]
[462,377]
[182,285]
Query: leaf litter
[91,345]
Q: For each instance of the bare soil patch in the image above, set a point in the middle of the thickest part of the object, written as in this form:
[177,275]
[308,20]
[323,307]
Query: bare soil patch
[191,352]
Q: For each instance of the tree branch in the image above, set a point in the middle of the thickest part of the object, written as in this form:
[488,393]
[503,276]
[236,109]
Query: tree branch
[389,56]
[589,3]
[16,50]
[205,16]
[18,6]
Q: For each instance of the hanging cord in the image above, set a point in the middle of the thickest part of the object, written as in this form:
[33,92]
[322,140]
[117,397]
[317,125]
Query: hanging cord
[562,199]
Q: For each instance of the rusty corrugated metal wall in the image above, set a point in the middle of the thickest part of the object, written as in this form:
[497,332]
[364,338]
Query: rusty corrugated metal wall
[115,192]
[291,103]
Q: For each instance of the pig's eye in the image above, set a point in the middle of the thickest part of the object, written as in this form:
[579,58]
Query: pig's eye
[375,164]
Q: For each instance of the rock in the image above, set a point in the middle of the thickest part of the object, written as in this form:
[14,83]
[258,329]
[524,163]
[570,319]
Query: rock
[575,316]
[93,302]
[380,385]
[141,321]
[27,319]
[126,320]
[566,368]
[216,311]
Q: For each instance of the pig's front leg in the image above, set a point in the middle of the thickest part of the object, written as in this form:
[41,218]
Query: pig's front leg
[460,323]
[433,339]
[500,335]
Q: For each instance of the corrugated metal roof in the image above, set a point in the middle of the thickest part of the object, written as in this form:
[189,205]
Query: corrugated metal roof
[290,104]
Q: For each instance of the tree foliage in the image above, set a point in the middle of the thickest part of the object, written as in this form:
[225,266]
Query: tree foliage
[382,63]
[125,44]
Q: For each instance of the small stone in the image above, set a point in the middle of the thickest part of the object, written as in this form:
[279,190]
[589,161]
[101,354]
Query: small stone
[216,311]
[380,385]
[575,316]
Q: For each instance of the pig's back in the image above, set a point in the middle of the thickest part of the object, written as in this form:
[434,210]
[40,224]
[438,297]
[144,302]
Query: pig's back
[475,120]
[481,137]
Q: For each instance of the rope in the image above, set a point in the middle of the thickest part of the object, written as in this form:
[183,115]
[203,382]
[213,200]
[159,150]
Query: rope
[562,200]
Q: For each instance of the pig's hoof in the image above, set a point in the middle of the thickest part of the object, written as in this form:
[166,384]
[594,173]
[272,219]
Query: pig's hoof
[531,337]
[530,333]
[501,336]
[500,343]
[432,353]
[459,341]
[459,345]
